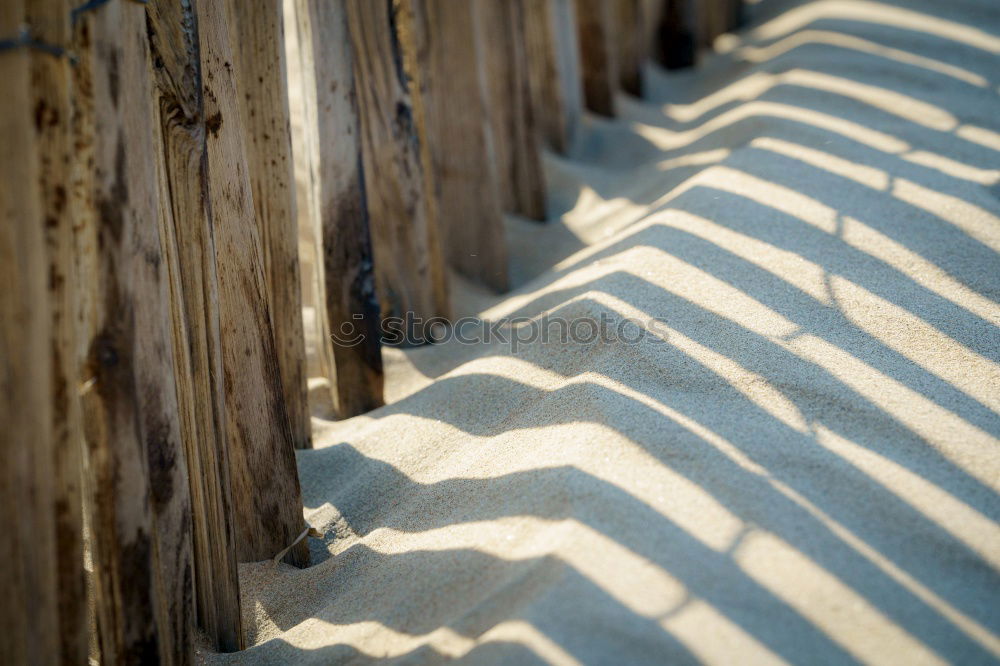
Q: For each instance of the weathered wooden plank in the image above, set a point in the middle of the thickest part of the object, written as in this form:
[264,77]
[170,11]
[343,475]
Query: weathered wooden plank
[595,20]
[29,605]
[460,139]
[554,70]
[650,18]
[339,209]
[735,14]
[319,355]
[714,18]
[188,239]
[675,44]
[409,269]
[257,30]
[267,501]
[141,504]
[50,78]
[632,44]
[516,134]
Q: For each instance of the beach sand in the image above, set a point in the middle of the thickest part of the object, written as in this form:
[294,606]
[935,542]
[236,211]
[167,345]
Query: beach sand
[793,457]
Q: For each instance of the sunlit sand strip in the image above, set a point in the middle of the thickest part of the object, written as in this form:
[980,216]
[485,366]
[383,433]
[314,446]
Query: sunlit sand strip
[946,511]
[889,101]
[728,643]
[862,237]
[907,485]
[977,222]
[875,12]
[913,483]
[593,554]
[742,90]
[710,522]
[862,174]
[786,265]
[525,633]
[590,552]
[666,139]
[895,327]
[960,620]
[314,634]
[877,179]
[939,354]
[926,273]
[952,168]
[772,195]
[966,445]
[806,37]
[970,218]
[853,623]
[984,137]
[977,532]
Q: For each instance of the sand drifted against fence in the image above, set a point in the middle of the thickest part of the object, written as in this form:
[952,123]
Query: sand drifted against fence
[634,331]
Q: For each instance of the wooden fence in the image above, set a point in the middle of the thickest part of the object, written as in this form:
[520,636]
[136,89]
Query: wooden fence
[154,365]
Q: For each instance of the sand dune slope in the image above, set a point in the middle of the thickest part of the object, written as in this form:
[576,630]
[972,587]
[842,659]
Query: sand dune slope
[786,446]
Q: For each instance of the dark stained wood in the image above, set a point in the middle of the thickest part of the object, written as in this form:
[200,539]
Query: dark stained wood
[256,29]
[140,518]
[267,501]
[554,70]
[632,44]
[675,42]
[339,209]
[460,139]
[596,23]
[189,248]
[516,134]
[410,275]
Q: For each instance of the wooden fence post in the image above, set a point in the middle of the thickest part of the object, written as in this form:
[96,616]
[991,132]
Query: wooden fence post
[409,272]
[460,141]
[258,44]
[267,501]
[51,90]
[554,70]
[338,209]
[189,247]
[596,28]
[516,134]
[675,44]
[29,609]
[140,521]
[630,38]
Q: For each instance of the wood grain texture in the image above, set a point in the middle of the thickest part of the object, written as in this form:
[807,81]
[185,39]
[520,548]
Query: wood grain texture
[410,275]
[339,209]
[554,70]
[256,30]
[631,42]
[596,21]
[460,139]
[29,607]
[267,501]
[514,125]
[50,104]
[189,249]
[141,505]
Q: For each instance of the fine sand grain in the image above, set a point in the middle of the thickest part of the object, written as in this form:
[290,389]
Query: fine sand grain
[797,462]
